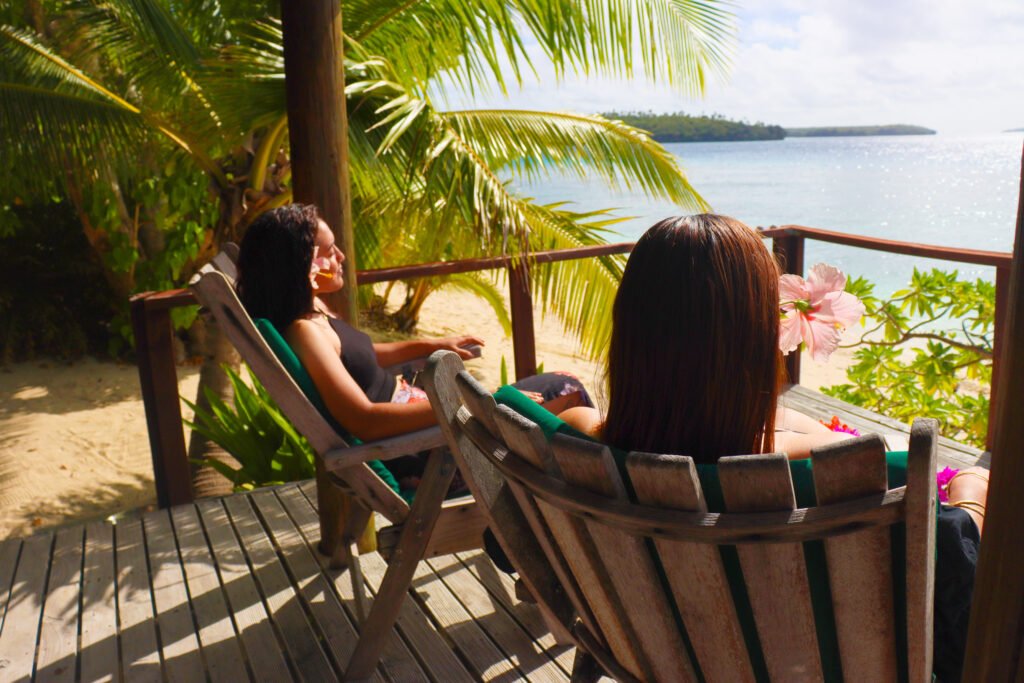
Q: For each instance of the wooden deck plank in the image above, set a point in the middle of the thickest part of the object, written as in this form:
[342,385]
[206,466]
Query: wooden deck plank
[490,615]
[255,629]
[25,610]
[58,636]
[321,601]
[301,640]
[433,650]
[140,650]
[98,653]
[217,636]
[397,662]
[9,551]
[501,587]
[179,642]
[487,662]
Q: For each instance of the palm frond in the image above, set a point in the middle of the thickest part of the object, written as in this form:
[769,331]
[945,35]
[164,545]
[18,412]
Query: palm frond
[579,292]
[52,132]
[39,77]
[475,42]
[535,144]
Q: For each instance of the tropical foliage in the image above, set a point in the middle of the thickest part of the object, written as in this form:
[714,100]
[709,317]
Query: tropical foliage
[164,125]
[256,433]
[926,350]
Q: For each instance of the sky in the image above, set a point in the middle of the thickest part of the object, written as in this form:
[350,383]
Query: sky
[950,65]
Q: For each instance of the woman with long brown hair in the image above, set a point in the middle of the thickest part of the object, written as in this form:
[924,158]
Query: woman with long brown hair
[694,365]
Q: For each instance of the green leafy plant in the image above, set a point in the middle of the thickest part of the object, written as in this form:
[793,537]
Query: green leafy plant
[926,351]
[257,434]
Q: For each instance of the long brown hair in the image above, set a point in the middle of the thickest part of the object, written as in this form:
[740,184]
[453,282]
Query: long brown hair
[694,362]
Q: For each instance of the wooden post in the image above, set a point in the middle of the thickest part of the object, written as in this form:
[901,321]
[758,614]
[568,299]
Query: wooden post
[789,251]
[158,379]
[524,343]
[995,641]
[317,125]
[998,341]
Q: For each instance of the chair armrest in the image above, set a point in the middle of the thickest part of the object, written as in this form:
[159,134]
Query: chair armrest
[384,449]
[417,364]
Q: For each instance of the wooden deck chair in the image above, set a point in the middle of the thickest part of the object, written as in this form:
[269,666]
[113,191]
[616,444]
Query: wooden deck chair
[622,550]
[431,526]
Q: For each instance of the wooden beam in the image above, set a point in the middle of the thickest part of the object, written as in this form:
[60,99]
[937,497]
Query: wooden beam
[994,642]
[158,379]
[956,254]
[317,124]
[789,252]
[524,341]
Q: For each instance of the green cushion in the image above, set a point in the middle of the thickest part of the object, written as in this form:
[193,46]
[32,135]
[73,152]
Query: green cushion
[814,552]
[293,365]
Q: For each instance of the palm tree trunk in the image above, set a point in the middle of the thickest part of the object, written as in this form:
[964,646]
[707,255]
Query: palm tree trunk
[216,351]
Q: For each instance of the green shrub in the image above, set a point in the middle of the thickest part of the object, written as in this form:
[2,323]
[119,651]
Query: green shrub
[256,434]
[947,325]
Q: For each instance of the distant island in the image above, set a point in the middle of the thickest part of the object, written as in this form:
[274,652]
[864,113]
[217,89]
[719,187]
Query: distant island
[680,127]
[1014,130]
[848,131]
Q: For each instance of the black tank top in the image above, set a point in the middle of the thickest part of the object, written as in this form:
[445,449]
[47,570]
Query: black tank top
[359,359]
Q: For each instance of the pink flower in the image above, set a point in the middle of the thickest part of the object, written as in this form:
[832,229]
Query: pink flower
[942,479]
[836,426]
[816,310]
[319,266]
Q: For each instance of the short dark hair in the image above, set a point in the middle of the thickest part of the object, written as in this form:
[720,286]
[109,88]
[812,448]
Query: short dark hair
[274,262]
[694,361]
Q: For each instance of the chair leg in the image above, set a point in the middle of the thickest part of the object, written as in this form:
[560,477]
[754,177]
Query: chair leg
[585,668]
[331,504]
[357,518]
[407,554]
[358,587]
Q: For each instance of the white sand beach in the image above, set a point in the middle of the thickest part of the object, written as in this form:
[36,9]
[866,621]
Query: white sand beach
[73,439]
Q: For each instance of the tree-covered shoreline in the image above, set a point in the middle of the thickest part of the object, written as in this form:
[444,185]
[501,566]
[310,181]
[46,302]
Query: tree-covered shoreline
[681,127]
[857,131]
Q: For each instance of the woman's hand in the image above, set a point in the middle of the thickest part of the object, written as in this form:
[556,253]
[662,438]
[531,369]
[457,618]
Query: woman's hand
[456,344]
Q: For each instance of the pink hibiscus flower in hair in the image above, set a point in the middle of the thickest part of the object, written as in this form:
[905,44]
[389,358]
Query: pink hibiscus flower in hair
[816,310]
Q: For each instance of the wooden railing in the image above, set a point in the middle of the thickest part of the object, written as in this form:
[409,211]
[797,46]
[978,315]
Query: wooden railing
[151,323]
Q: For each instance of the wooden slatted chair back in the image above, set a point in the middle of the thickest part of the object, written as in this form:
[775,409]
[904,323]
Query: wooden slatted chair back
[661,589]
[217,295]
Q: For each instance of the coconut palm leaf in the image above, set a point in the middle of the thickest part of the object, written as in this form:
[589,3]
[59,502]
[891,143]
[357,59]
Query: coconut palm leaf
[474,42]
[65,131]
[534,145]
[59,103]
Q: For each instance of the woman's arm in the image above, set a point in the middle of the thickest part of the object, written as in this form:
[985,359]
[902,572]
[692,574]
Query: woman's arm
[968,490]
[395,353]
[584,419]
[796,434]
[344,398]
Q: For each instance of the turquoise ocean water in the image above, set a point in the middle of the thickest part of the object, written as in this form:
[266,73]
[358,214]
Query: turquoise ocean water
[942,190]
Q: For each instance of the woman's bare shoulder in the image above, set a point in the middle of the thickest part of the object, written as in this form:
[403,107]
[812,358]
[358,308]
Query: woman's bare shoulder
[309,333]
[586,420]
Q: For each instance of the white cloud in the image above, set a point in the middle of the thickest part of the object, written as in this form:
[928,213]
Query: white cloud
[954,66]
